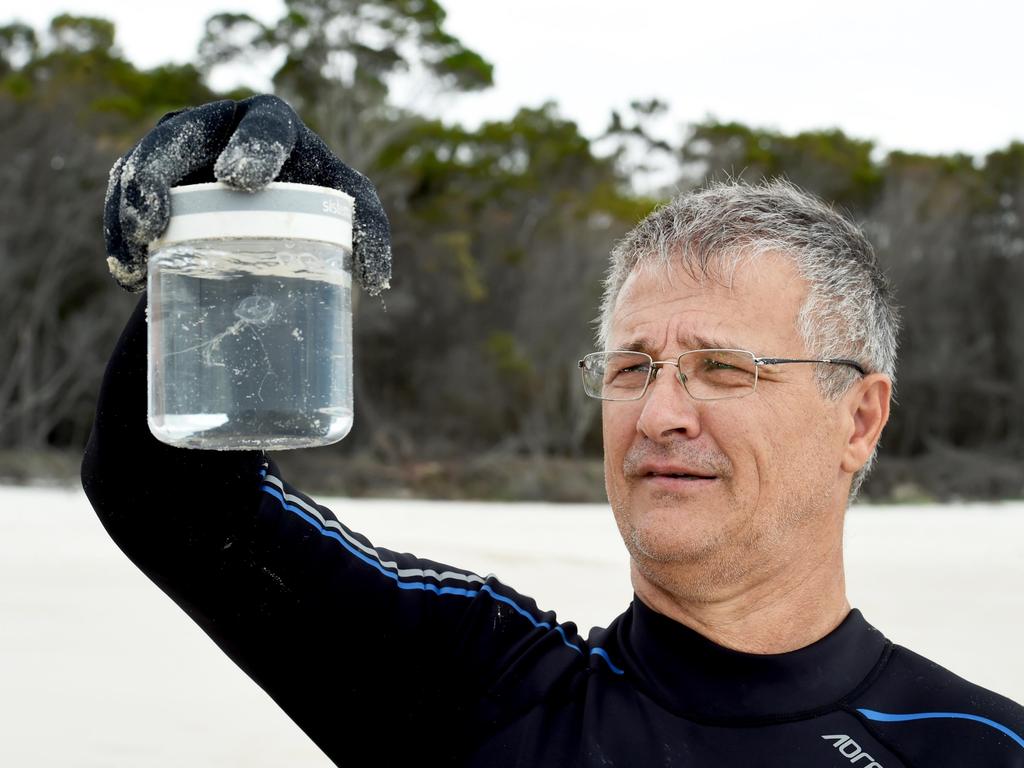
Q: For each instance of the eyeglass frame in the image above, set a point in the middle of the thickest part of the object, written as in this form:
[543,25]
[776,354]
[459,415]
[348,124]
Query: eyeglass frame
[657,365]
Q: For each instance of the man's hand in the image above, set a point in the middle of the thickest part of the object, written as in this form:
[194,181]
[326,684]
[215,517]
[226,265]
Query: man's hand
[245,144]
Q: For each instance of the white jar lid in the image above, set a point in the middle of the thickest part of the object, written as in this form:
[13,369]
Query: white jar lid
[280,210]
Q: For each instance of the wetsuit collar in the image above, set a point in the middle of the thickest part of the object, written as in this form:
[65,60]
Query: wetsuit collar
[695,677]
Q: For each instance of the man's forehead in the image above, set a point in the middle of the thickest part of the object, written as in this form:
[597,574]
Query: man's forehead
[754,301]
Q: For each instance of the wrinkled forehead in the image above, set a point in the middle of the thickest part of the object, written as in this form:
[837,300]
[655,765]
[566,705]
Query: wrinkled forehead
[735,294]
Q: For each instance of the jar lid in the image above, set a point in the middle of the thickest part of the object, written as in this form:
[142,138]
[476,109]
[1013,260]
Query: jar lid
[281,210]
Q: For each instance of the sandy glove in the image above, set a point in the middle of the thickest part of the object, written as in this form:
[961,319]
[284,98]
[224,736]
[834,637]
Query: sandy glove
[246,145]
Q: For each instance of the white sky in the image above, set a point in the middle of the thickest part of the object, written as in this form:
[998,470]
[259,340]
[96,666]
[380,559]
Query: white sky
[921,76]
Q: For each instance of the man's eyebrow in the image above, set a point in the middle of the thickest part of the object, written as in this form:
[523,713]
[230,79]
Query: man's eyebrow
[705,342]
[637,345]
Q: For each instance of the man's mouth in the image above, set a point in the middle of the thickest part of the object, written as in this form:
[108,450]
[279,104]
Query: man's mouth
[680,475]
[672,475]
[676,478]
[672,471]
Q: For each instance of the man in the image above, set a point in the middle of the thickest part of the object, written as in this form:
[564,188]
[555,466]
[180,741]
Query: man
[746,366]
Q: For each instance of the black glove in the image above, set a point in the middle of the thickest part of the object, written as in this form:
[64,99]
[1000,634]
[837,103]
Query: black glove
[245,144]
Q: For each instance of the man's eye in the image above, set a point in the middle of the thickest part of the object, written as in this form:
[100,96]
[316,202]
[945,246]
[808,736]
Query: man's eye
[718,365]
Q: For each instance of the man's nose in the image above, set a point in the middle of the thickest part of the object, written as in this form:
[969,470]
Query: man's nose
[668,410]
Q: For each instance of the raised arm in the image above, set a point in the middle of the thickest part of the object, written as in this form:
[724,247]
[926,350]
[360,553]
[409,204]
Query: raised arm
[346,637]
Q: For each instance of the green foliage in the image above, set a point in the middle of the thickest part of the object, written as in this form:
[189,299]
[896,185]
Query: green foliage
[354,44]
[835,166]
[464,70]
[231,37]
[18,44]
[81,34]
[635,148]
[77,65]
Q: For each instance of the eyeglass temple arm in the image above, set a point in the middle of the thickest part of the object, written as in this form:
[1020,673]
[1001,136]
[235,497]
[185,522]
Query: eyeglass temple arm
[830,361]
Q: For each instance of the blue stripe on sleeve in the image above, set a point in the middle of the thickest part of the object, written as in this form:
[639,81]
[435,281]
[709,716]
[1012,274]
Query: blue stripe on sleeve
[886,717]
[422,585]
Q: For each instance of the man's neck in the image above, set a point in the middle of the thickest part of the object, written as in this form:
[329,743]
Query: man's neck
[781,612]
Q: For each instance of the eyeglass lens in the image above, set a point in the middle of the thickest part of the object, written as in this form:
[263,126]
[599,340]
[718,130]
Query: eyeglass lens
[707,374]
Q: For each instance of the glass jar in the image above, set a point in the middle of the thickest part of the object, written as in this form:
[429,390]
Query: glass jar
[250,318]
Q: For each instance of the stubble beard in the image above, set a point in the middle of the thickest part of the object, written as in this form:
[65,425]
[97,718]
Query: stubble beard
[722,561]
[695,569]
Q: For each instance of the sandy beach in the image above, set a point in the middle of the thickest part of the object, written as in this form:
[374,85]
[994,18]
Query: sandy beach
[99,668]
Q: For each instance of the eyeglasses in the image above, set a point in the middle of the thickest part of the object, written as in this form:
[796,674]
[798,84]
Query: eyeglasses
[706,374]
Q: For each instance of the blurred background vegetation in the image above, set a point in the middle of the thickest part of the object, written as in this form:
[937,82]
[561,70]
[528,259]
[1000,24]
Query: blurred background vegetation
[466,384]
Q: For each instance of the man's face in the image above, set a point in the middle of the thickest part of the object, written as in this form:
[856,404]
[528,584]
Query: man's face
[771,490]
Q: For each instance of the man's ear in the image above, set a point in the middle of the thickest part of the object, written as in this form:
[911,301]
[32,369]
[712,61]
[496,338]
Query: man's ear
[865,410]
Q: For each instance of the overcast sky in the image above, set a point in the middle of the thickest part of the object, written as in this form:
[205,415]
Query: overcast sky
[922,76]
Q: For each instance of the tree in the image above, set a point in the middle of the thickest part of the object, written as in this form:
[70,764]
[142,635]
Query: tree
[833,165]
[636,149]
[501,234]
[340,57]
[69,105]
[60,311]
[18,45]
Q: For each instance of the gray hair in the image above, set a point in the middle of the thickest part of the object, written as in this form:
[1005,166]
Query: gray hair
[850,309]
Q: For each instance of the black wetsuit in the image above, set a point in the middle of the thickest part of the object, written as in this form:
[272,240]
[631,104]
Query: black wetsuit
[388,660]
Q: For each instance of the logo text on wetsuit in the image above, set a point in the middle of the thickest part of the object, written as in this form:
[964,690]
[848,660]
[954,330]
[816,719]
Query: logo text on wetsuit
[851,750]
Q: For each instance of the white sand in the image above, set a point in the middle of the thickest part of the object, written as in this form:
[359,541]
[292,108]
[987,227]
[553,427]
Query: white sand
[99,668]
